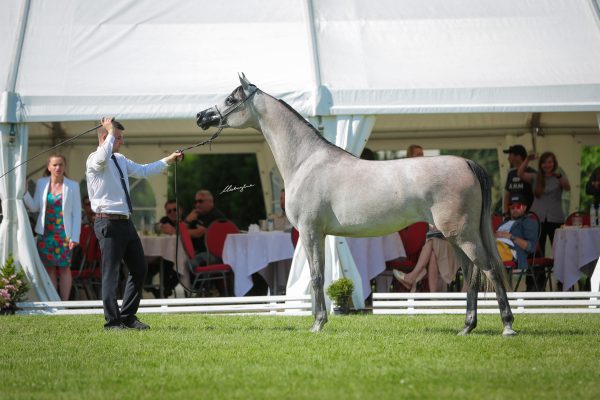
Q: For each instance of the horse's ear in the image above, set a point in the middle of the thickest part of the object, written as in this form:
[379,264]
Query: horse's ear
[244,81]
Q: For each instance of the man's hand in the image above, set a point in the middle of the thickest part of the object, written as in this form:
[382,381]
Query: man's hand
[503,234]
[107,123]
[192,216]
[176,156]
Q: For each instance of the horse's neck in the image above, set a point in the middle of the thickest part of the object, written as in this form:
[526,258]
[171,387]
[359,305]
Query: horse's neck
[291,140]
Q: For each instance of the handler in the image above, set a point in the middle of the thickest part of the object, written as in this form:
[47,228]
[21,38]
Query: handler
[108,188]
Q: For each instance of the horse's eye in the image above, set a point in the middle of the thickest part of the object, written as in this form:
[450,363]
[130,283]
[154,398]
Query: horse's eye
[229,100]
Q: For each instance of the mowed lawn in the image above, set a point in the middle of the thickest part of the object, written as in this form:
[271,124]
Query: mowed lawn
[192,356]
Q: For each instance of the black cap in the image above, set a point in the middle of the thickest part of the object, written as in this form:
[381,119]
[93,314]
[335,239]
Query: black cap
[518,150]
[517,198]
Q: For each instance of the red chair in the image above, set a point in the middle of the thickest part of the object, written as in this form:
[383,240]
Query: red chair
[585,218]
[215,241]
[413,239]
[496,221]
[88,275]
[295,236]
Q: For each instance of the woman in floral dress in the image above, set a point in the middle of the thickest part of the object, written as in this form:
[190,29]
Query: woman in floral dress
[58,226]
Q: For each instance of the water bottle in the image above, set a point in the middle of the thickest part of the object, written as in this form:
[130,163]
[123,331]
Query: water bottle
[593,216]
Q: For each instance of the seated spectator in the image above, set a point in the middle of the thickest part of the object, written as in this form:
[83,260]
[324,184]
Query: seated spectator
[166,225]
[198,221]
[437,260]
[516,240]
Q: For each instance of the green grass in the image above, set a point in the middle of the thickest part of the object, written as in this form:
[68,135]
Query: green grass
[251,357]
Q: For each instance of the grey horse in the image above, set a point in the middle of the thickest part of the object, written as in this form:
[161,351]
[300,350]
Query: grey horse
[332,192]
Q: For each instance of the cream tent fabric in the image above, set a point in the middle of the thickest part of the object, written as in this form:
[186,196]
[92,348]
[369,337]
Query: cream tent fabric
[168,59]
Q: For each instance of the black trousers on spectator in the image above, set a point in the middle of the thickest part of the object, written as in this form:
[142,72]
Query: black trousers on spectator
[547,231]
[118,241]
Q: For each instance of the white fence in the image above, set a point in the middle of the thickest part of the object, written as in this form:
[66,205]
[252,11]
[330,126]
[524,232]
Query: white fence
[383,303]
[296,305]
[456,303]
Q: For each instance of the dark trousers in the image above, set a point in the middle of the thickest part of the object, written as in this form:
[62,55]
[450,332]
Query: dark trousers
[118,241]
[547,231]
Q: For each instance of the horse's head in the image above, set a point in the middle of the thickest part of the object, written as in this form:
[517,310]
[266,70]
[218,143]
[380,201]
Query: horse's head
[233,111]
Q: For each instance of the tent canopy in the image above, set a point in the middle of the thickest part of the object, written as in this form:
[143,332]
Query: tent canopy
[155,59]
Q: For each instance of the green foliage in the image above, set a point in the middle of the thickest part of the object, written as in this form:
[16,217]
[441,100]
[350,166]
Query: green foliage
[340,291]
[189,356]
[215,173]
[590,160]
[13,284]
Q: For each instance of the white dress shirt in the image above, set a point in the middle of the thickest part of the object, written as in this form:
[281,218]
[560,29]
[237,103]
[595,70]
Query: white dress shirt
[104,182]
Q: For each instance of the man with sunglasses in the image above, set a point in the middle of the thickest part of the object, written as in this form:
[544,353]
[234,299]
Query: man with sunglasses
[198,221]
[520,234]
[167,223]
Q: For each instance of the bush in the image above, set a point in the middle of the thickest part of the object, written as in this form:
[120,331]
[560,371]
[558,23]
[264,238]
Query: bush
[13,285]
[340,291]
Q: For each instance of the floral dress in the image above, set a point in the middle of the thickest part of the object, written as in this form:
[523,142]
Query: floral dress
[53,245]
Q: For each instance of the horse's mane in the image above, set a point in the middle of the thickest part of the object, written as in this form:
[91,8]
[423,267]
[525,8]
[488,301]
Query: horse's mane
[312,128]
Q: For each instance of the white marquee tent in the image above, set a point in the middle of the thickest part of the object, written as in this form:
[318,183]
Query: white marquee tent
[446,73]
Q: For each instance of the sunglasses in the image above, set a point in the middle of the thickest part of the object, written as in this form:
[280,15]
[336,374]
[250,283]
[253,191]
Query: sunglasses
[170,210]
[516,205]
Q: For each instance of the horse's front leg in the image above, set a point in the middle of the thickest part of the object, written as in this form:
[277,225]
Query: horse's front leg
[505,312]
[314,245]
[471,317]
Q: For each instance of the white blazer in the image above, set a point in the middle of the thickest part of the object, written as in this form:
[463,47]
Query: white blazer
[71,205]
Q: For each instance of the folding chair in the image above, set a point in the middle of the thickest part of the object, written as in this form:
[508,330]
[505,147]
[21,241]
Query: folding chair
[88,275]
[215,241]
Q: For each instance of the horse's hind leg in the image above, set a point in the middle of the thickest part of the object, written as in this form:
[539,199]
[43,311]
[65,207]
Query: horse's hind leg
[473,292]
[505,312]
[314,246]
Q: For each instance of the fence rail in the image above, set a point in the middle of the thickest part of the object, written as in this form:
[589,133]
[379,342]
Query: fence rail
[290,305]
[456,303]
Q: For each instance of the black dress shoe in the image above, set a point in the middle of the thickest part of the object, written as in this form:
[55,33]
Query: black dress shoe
[135,323]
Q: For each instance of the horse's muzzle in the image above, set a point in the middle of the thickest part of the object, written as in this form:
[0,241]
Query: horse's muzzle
[207,118]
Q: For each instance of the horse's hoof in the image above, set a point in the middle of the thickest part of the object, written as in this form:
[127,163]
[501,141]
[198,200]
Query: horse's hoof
[465,331]
[317,326]
[509,332]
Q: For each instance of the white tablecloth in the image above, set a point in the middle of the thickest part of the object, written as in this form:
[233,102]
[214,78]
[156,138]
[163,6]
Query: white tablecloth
[248,253]
[575,248]
[368,256]
[164,246]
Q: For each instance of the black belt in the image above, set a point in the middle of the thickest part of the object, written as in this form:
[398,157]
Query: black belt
[112,216]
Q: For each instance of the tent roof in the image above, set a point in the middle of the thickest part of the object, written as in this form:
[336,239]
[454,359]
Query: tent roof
[156,59]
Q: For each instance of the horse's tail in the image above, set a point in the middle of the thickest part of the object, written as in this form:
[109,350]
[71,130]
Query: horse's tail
[485,225]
